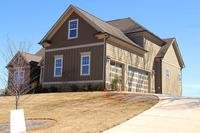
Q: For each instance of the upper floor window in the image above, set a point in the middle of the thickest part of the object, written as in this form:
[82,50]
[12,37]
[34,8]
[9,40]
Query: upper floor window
[85,63]
[180,76]
[58,63]
[18,76]
[73,29]
[167,73]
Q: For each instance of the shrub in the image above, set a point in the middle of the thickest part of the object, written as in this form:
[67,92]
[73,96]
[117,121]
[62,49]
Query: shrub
[98,87]
[115,83]
[39,89]
[85,88]
[90,88]
[74,88]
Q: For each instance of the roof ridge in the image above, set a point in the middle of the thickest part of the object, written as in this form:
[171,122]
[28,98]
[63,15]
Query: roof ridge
[117,19]
[140,26]
[91,14]
[168,38]
[107,24]
[97,18]
[30,54]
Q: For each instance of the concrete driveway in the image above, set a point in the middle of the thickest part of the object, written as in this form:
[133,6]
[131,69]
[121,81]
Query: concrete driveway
[170,115]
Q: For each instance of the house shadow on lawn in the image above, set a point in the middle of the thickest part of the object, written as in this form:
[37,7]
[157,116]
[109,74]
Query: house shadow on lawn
[174,103]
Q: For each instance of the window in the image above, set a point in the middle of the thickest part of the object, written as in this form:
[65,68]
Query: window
[18,76]
[58,62]
[85,63]
[73,29]
[167,73]
[179,77]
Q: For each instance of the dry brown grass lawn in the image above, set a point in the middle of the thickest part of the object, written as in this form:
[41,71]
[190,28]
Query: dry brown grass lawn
[86,112]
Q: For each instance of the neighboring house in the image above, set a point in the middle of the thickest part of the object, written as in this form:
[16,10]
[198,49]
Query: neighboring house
[81,50]
[23,70]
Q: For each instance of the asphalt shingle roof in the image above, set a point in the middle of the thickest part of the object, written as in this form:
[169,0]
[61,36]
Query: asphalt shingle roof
[103,26]
[31,57]
[126,25]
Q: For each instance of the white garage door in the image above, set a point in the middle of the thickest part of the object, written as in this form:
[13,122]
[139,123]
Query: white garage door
[115,70]
[137,80]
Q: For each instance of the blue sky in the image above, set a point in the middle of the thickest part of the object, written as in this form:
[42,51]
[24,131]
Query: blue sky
[29,20]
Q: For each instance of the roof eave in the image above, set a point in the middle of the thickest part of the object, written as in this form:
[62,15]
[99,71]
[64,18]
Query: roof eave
[163,42]
[55,24]
[180,58]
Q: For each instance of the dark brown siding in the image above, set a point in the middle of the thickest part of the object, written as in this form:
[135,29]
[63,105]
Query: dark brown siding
[86,34]
[71,64]
[158,75]
[34,72]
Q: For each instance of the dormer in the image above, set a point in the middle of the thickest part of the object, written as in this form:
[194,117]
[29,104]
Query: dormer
[136,32]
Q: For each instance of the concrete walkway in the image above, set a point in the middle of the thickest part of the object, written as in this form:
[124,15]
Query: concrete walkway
[170,115]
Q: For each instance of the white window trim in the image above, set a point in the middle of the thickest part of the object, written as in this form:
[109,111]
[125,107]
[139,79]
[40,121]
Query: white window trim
[72,29]
[85,54]
[180,77]
[56,58]
[14,77]
[19,80]
[167,73]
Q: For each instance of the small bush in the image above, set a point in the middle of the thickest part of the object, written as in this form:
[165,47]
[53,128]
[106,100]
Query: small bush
[115,83]
[74,88]
[90,88]
[98,87]
[39,89]
[85,88]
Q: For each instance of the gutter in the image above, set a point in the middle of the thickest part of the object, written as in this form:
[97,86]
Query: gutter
[132,44]
[106,36]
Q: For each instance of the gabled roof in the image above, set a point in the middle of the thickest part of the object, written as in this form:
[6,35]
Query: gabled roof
[31,57]
[126,25]
[27,57]
[40,52]
[98,24]
[163,50]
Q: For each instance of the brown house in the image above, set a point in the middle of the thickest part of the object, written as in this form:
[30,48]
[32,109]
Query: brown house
[83,50]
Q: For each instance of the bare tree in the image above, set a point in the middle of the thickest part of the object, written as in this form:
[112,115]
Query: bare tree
[15,76]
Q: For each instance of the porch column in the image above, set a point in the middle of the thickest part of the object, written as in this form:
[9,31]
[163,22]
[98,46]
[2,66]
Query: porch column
[125,77]
[108,82]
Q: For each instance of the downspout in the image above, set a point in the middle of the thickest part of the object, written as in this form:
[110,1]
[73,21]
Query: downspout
[161,75]
[44,45]
[44,67]
[181,82]
[104,60]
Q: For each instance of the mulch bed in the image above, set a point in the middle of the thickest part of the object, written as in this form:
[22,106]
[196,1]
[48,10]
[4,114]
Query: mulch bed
[31,124]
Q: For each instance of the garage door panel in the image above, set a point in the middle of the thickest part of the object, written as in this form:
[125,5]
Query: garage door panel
[115,70]
[137,80]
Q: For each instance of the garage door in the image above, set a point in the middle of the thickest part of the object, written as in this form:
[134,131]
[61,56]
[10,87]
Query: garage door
[137,80]
[115,70]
